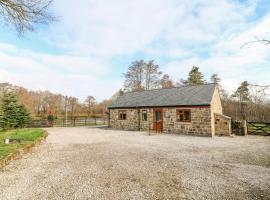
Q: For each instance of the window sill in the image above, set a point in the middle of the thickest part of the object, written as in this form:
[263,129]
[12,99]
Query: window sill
[187,123]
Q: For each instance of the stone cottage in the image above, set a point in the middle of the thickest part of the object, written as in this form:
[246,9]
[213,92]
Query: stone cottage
[191,110]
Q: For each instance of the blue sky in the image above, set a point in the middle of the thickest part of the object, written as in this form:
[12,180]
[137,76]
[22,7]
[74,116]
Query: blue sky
[93,43]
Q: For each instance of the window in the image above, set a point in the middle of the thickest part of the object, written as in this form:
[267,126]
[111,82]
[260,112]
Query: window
[144,115]
[122,115]
[183,116]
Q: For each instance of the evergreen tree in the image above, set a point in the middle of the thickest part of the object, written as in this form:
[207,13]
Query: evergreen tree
[23,116]
[13,114]
[242,92]
[195,77]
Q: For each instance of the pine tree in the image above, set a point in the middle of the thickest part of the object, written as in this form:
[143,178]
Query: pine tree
[9,111]
[23,116]
[242,92]
[13,114]
[195,77]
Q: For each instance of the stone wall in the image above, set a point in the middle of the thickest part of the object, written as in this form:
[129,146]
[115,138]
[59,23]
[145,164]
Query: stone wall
[200,121]
[216,107]
[222,125]
[131,122]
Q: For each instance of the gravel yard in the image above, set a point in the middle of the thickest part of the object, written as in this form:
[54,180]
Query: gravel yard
[94,163]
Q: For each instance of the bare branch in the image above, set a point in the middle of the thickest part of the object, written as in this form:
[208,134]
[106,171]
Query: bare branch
[25,14]
[263,41]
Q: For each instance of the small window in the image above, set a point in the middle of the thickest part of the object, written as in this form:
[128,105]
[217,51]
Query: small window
[183,116]
[144,115]
[122,115]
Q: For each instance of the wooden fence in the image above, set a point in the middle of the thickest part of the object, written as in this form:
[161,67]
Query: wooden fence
[81,121]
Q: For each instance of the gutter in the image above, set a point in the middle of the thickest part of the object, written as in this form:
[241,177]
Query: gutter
[166,106]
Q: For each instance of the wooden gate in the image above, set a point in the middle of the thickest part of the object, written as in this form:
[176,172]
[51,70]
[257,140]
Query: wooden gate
[258,128]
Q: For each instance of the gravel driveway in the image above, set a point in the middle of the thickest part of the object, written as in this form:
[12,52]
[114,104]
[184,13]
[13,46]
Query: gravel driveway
[94,163]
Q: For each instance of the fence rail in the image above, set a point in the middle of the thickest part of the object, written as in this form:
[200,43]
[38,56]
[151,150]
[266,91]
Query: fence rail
[69,122]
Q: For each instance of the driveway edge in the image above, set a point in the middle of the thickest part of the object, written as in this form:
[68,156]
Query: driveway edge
[19,153]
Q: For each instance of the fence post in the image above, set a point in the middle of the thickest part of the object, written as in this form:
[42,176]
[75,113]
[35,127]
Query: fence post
[244,126]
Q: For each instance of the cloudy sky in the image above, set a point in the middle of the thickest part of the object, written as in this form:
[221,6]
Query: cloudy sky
[94,41]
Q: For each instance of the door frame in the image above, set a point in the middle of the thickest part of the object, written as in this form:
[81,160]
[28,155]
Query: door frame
[158,125]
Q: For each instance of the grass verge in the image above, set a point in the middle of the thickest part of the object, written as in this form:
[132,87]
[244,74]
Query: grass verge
[27,136]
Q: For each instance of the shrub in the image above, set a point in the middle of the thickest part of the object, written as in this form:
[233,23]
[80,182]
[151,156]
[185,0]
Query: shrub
[50,118]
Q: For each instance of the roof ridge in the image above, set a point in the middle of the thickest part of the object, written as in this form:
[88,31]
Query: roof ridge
[182,86]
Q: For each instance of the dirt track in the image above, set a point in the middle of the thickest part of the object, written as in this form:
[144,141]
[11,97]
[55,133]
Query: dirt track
[92,163]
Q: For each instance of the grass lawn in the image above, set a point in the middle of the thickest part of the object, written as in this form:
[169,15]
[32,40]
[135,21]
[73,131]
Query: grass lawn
[27,136]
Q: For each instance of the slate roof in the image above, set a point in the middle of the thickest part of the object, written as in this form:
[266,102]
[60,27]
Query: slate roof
[177,96]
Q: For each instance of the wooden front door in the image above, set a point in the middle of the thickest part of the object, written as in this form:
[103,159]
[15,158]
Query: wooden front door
[158,120]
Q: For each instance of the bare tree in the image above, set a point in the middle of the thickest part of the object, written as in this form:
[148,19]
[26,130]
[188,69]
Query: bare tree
[152,75]
[73,102]
[142,76]
[262,41]
[166,81]
[134,78]
[25,14]
[89,102]
[215,79]
[181,82]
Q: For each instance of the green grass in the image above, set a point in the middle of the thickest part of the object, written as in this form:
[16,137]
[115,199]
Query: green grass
[27,136]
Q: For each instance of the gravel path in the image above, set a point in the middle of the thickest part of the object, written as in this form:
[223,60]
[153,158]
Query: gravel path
[93,163]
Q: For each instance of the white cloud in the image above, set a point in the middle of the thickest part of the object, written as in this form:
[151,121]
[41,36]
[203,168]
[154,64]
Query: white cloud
[105,28]
[90,34]
[71,75]
[231,60]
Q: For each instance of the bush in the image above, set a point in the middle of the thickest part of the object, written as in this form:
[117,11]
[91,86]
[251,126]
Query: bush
[50,118]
